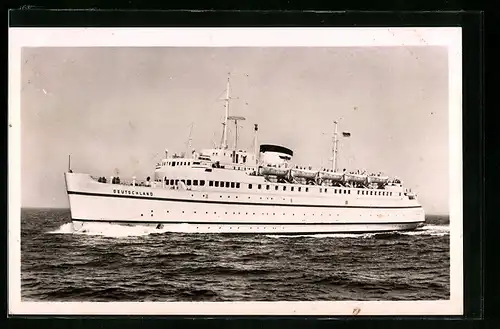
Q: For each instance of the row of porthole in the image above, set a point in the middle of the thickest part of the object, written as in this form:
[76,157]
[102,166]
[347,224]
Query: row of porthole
[267,214]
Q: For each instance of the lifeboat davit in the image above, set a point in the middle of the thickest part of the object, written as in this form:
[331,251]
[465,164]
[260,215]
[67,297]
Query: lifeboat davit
[330,175]
[273,171]
[378,180]
[355,178]
[303,173]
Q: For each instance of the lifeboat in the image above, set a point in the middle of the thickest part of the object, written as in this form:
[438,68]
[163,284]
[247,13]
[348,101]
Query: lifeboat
[273,171]
[330,175]
[378,180]
[303,173]
[355,178]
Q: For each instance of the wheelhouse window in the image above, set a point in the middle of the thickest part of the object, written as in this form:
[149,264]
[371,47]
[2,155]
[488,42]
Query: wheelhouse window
[276,187]
[216,183]
[166,181]
[291,188]
[249,186]
[195,182]
[221,184]
[232,184]
[299,188]
[227,184]
[188,182]
[211,183]
[284,188]
[202,183]
[307,189]
[259,186]
[237,185]
[267,187]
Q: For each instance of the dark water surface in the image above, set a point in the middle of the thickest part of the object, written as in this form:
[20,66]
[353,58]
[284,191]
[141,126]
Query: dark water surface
[113,263]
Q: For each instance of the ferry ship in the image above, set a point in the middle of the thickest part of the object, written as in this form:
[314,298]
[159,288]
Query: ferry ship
[228,190]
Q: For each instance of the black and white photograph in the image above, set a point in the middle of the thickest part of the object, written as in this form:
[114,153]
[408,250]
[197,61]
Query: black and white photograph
[235,171]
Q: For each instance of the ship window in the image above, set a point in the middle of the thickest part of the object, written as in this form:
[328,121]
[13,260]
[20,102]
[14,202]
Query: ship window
[173,163]
[211,183]
[320,190]
[259,186]
[237,185]
[371,192]
[171,182]
[227,184]
[307,189]
[291,188]
[188,182]
[276,187]
[221,184]
[202,183]
[232,184]
[267,187]
[284,188]
[176,182]
[300,188]
[195,182]
[345,191]
[216,183]
[250,186]
[326,190]
[349,192]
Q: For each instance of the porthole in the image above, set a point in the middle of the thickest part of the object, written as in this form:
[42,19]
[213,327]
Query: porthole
[195,211]
[182,212]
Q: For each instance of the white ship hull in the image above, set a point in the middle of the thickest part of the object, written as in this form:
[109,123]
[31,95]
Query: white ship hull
[219,211]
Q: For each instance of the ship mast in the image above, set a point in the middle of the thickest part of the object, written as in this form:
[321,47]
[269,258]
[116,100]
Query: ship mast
[334,146]
[226,105]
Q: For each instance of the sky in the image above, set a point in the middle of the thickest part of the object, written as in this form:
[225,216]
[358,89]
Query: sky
[116,110]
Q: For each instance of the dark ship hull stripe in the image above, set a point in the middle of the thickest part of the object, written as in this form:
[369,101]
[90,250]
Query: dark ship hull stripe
[241,223]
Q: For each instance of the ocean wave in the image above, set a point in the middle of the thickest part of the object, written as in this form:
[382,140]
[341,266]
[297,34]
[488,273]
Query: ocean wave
[107,230]
[430,230]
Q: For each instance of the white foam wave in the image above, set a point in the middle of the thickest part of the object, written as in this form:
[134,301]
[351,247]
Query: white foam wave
[434,230]
[107,230]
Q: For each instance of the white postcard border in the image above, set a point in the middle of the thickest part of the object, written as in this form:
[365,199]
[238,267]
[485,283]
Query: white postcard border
[236,37]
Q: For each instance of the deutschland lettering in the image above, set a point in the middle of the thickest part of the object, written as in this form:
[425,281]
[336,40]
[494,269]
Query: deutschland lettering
[128,192]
